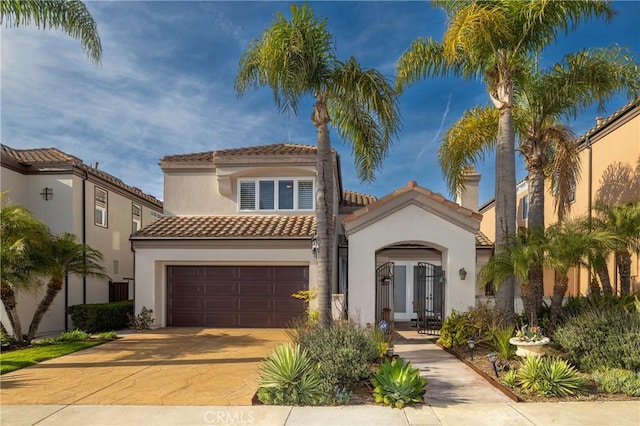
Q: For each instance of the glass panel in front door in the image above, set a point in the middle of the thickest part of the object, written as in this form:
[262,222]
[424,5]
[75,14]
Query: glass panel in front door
[400,288]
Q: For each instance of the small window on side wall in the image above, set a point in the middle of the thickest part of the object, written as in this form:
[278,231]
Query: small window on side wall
[136,218]
[525,207]
[101,207]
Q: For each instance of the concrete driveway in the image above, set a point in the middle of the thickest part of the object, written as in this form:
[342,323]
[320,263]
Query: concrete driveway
[169,366]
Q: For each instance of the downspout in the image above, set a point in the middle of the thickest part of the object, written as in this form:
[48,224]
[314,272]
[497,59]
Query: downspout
[84,233]
[66,302]
[589,201]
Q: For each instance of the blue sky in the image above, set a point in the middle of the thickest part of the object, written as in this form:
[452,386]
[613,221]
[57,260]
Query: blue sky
[166,86]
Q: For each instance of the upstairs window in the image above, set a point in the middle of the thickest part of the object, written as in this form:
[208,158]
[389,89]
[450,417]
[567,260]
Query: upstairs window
[136,218]
[276,195]
[524,207]
[101,207]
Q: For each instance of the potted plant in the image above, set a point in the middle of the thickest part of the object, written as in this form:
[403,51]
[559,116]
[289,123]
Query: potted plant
[529,341]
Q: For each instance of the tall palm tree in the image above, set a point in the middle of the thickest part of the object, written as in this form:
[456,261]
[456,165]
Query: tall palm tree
[60,257]
[526,250]
[496,41]
[296,58]
[20,235]
[622,220]
[569,245]
[72,16]
[549,149]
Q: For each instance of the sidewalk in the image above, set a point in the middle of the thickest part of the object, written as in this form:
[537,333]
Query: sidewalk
[539,414]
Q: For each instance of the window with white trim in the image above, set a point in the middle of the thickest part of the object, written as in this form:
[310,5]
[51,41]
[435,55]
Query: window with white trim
[525,207]
[101,207]
[136,217]
[286,194]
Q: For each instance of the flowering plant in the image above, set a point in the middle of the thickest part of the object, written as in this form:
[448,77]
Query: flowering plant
[529,334]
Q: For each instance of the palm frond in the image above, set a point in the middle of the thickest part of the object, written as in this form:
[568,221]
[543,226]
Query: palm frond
[72,16]
[466,142]
[364,107]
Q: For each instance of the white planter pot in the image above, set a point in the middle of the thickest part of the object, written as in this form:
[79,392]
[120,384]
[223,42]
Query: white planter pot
[529,348]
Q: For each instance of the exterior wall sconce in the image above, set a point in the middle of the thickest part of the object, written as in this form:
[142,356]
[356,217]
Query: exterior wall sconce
[314,245]
[47,193]
[463,274]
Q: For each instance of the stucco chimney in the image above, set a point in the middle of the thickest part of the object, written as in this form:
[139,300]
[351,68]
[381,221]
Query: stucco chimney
[468,197]
[599,121]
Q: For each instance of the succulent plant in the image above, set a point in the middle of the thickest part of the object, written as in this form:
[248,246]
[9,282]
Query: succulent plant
[397,384]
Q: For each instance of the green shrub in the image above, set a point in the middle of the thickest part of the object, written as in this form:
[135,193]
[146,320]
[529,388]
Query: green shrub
[73,336]
[456,329]
[98,317]
[343,352]
[600,338]
[510,379]
[397,384]
[500,341]
[617,380]
[5,339]
[576,305]
[290,377]
[108,335]
[548,376]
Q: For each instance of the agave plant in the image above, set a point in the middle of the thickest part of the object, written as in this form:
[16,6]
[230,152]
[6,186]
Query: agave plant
[548,376]
[289,376]
[397,384]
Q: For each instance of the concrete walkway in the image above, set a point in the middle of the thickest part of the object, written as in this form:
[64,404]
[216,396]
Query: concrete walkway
[449,381]
[538,414]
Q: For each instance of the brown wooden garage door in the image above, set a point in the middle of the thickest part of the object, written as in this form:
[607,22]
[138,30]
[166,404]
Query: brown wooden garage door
[234,296]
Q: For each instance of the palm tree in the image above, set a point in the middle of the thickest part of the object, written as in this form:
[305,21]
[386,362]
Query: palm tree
[63,256]
[622,220]
[568,246]
[72,16]
[296,58]
[526,250]
[496,40]
[20,235]
[548,147]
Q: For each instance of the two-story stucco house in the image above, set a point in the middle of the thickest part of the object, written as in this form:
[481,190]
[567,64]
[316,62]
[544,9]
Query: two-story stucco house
[98,208]
[237,241]
[609,155]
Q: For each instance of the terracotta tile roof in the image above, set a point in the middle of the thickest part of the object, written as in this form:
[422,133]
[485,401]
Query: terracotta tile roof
[260,150]
[605,122]
[412,186]
[39,156]
[356,199]
[482,240]
[53,156]
[265,226]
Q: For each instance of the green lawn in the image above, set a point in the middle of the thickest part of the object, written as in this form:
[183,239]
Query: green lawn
[15,360]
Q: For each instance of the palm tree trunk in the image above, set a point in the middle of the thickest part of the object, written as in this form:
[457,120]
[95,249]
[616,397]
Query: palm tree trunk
[505,201]
[623,259]
[528,300]
[53,287]
[535,217]
[594,286]
[603,274]
[8,297]
[324,209]
[559,290]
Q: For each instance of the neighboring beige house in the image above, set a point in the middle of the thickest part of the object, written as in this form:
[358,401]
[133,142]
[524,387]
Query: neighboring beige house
[610,172]
[98,208]
[237,241]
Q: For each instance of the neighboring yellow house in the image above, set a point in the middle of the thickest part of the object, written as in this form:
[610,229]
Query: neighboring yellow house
[610,172]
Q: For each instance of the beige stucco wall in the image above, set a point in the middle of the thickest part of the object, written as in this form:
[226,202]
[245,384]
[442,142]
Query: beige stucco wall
[204,191]
[151,263]
[63,213]
[614,175]
[410,224]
